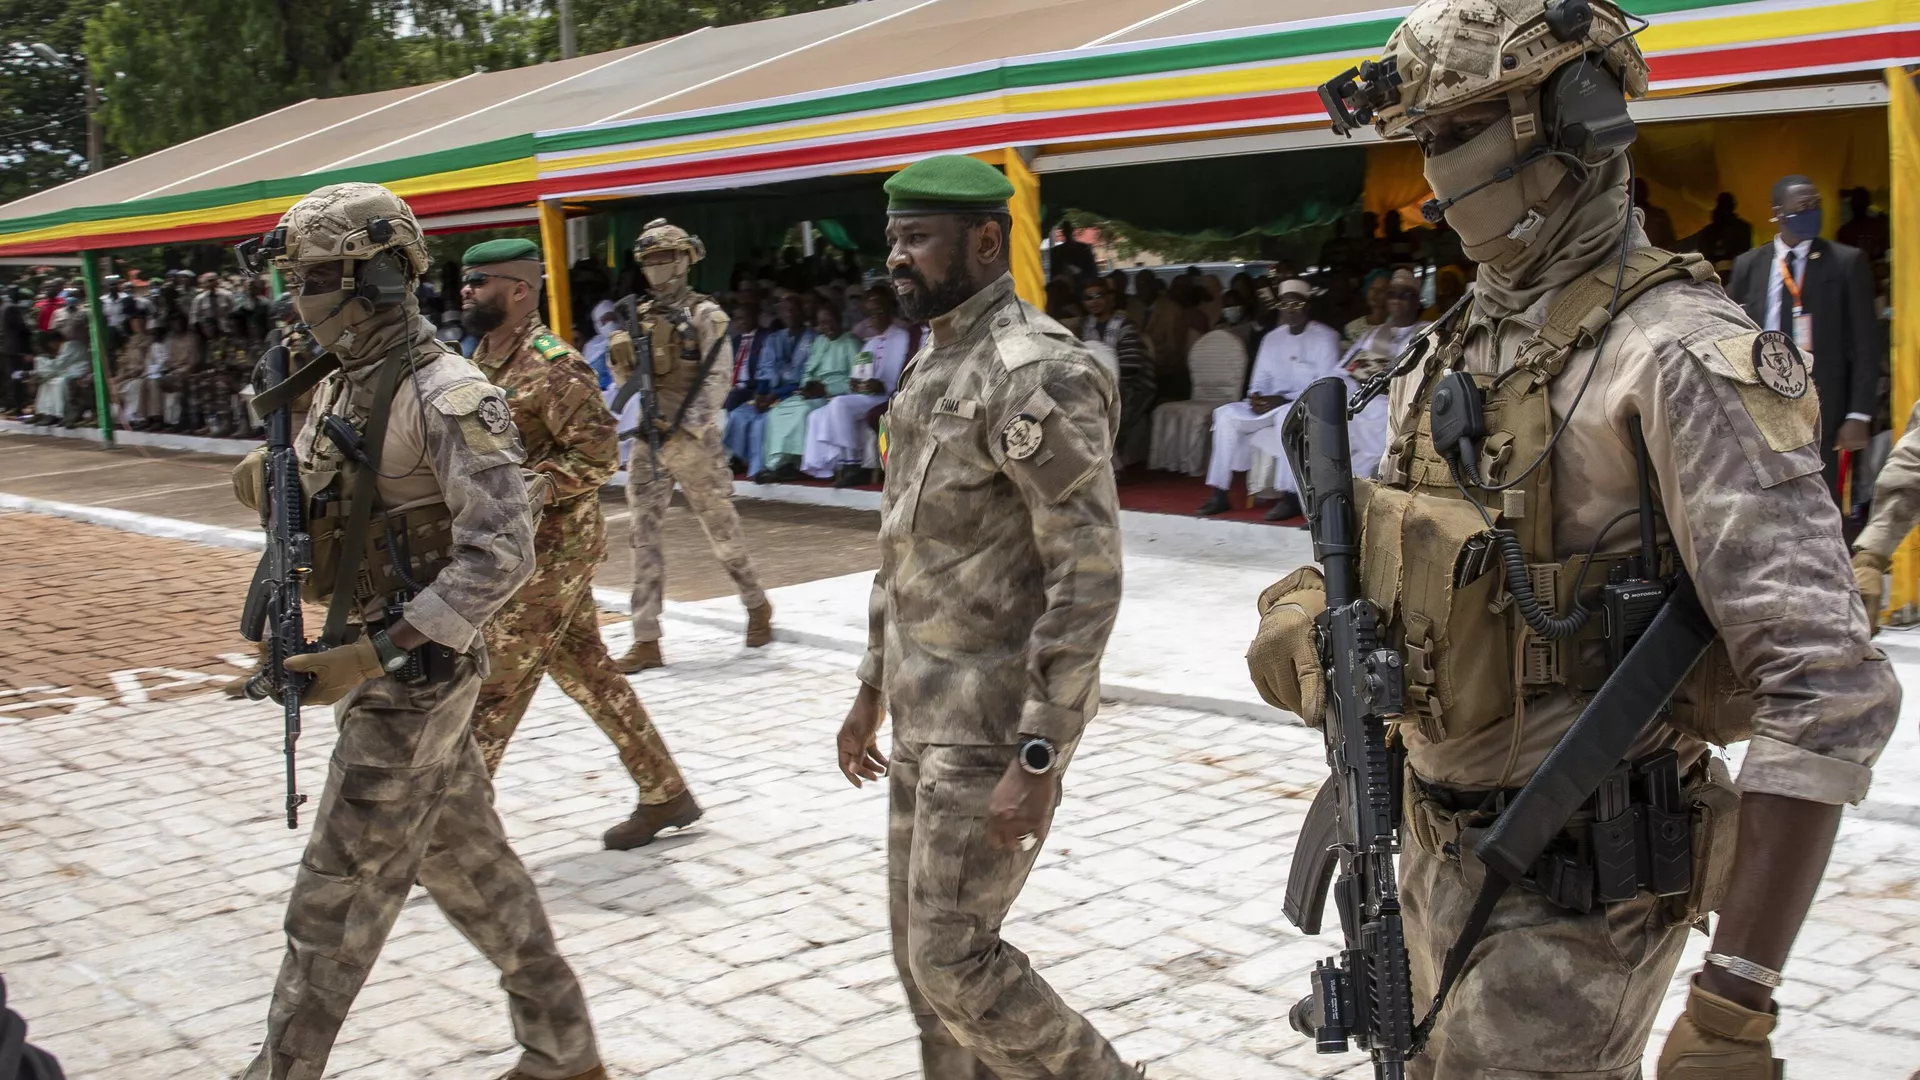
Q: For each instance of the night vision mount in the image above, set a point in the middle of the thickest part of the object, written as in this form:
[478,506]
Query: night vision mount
[1354,96]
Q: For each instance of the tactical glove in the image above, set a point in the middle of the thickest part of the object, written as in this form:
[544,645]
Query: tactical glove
[337,671]
[1716,1039]
[250,478]
[1869,576]
[1282,660]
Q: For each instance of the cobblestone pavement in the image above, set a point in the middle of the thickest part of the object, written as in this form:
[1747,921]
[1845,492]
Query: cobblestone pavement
[144,866]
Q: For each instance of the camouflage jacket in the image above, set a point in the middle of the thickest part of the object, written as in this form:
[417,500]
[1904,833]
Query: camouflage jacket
[1896,495]
[450,439]
[999,571]
[564,426]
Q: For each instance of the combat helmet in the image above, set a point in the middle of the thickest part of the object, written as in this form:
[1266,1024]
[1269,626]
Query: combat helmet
[661,235]
[373,236]
[1561,72]
[1452,53]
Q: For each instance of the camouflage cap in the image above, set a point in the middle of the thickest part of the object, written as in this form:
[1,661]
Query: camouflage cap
[1452,53]
[349,221]
[660,235]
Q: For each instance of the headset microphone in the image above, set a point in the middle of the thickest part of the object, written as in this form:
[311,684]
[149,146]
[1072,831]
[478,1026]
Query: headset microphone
[1435,209]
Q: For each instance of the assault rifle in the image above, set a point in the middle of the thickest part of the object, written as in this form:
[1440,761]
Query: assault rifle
[1365,993]
[639,382]
[272,613]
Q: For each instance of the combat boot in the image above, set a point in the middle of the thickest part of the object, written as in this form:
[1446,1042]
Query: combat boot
[237,687]
[760,624]
[598,1072]
[647,822]
[643,655]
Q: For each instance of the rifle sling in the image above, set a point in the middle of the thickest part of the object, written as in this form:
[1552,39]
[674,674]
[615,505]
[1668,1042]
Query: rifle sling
[1600,737]
[361,481]
[284,391]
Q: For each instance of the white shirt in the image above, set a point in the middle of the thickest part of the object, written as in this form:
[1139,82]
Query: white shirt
[1385,340]
[1288,362]
[1776,288]
[890,354]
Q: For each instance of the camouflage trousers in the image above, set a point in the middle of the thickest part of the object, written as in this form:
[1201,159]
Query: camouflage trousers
[699,463]
[983,1012]
[407,799]
[551,627]
[1548,993]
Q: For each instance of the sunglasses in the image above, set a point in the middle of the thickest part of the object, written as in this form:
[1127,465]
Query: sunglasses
[1402,294]
[477,278]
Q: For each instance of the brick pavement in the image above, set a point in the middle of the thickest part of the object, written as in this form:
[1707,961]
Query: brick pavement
[143,869]
[91,614]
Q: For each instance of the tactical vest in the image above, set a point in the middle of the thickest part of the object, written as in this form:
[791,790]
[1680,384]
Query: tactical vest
[1429,562]
[395,552]
[676,352]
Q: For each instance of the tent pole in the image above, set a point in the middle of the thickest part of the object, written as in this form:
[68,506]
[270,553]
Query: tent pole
[553,248]
[1903,138]
[97,335]
[1029,279]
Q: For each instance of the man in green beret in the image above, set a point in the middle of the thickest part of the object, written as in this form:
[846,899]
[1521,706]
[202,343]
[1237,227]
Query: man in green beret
[999,582]
[551,626]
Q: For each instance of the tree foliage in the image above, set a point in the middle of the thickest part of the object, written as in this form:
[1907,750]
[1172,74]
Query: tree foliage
[170,71]
[43,122]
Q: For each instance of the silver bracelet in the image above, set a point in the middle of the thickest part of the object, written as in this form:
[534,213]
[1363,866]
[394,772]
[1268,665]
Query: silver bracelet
[1741,967]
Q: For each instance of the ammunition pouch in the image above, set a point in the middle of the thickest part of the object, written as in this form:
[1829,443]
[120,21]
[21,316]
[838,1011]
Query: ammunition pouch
[1683,855]
[423,533]
[620,359]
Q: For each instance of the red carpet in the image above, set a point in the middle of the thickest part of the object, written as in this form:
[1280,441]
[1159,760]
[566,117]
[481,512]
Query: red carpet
[1149,492]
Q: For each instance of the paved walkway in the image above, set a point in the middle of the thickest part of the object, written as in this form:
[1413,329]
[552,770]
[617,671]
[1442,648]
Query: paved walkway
[144,866]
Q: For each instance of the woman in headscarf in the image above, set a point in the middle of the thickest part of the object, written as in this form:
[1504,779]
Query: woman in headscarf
[1374,287]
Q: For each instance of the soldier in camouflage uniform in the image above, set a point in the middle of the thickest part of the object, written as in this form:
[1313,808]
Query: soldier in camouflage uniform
[552,625]
[999,490]
[1595,337]
[1896,510]
[407,796]
[685,334]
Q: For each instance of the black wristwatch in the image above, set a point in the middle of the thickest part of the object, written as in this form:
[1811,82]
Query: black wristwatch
[392,657]
[1038,756]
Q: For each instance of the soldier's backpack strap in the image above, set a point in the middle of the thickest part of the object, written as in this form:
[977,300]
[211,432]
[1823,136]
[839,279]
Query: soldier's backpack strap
[360,481]
[1585,307]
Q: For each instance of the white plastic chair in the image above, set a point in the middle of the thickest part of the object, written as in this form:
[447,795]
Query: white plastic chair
[1181,429]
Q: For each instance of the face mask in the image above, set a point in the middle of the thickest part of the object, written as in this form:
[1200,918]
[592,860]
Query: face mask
[1498,219]
[663,274]
[1231,314]
[332,316]
[1805,224]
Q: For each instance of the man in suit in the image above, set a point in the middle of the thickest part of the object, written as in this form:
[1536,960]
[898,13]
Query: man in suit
[1821,294]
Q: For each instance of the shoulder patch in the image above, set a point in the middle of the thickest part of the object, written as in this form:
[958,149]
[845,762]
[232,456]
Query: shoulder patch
[464,397]
[549,347]
[1773,386]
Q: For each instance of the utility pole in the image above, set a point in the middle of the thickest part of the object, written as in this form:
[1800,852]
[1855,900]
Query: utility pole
[95,157]
[567,46]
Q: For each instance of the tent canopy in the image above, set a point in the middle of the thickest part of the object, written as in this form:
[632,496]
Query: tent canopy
[864,86]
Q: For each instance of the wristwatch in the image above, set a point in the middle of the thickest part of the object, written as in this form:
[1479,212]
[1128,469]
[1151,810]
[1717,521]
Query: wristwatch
[1038,756]
[392,657]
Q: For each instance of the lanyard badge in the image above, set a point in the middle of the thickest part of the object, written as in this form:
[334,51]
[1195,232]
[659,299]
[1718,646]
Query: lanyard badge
[1802,329]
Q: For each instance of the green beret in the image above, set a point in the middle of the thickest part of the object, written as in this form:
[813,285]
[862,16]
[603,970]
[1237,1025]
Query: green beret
[946,184]
[499,251]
